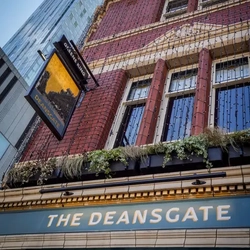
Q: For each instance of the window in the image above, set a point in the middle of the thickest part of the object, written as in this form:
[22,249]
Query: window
[233,108]
[5,74]
[130,113]
[1,62]
[130,125]
[83,12]
[179,118]
[8,88]
[174,8]
[232,70]
[208,3]
[231,92]
[178,105]
[4,144]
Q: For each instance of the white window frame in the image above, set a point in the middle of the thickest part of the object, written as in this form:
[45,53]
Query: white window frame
[122,109]
[210,3]
[167,15]
[215,85]
[166,98]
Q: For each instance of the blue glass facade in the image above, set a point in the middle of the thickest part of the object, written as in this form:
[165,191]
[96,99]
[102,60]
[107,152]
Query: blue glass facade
[47,24]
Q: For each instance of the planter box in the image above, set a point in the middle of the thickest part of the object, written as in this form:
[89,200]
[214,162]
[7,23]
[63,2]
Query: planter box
[239,155]
[56,177]
[234,155]
[215,154]
[153,163]
[118,169]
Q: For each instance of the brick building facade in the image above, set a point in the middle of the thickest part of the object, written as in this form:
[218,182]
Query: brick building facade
[168,71]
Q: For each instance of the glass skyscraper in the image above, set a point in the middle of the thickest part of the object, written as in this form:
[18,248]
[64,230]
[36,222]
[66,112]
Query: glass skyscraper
[47,24]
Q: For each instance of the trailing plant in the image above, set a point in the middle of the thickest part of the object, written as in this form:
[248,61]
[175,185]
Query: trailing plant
[46,169]
[100,160]
[193,145]
[23,172]
[241,138]
[134,152]
[216,137]
[158,148]
[72,167]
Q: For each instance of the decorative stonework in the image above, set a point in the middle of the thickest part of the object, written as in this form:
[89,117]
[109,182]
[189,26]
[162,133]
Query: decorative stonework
[237,182]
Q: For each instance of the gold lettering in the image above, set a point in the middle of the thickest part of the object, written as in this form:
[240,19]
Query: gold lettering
[47,111]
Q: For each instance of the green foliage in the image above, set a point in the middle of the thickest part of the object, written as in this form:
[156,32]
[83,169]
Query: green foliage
[99,160]
[25,171]
[46,169]
[240,138]
[72,167]
[193,145]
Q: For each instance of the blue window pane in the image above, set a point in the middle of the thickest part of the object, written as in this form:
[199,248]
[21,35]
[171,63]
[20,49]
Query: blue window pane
[183,80]
[130,126]
[233,108]
[139,90]
[4,144]
[232,70]
[179,118]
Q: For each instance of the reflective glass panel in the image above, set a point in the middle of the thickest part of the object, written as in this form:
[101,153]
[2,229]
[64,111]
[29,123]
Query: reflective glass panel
[233,108]
[232,70]
[130,125]
[4,144]
[183,80]
[179,118]
[139,90]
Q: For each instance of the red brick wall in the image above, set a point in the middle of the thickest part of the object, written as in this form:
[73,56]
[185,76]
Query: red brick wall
[150,116]
[91,122]
[128,14]
[222,17]
[192,5]
[201,101]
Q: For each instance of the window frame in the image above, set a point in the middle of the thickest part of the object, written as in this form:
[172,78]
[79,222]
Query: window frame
[215,85]
[5,150]
[170,14]
[121,110]
[166,98]
[211,3]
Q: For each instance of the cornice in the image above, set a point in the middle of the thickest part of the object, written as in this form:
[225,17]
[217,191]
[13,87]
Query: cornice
[237,182]
[159,24]
[204,36]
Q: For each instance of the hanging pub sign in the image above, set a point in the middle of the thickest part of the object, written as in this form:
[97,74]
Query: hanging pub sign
[58,86]
[54,94]
[73,60]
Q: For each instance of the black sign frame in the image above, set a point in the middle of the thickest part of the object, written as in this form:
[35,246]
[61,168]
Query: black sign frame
[48,107]
[73,61]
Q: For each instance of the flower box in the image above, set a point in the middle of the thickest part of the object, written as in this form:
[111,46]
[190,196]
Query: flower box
[118,169]
[238,155]
[153,163]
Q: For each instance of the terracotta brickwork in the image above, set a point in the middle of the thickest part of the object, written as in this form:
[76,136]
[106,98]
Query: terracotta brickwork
[201,103]
[223,17]
[150,116]
[91,122]
[192,5]
[128,14]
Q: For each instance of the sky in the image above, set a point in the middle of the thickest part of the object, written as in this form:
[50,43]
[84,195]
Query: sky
[13,15]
